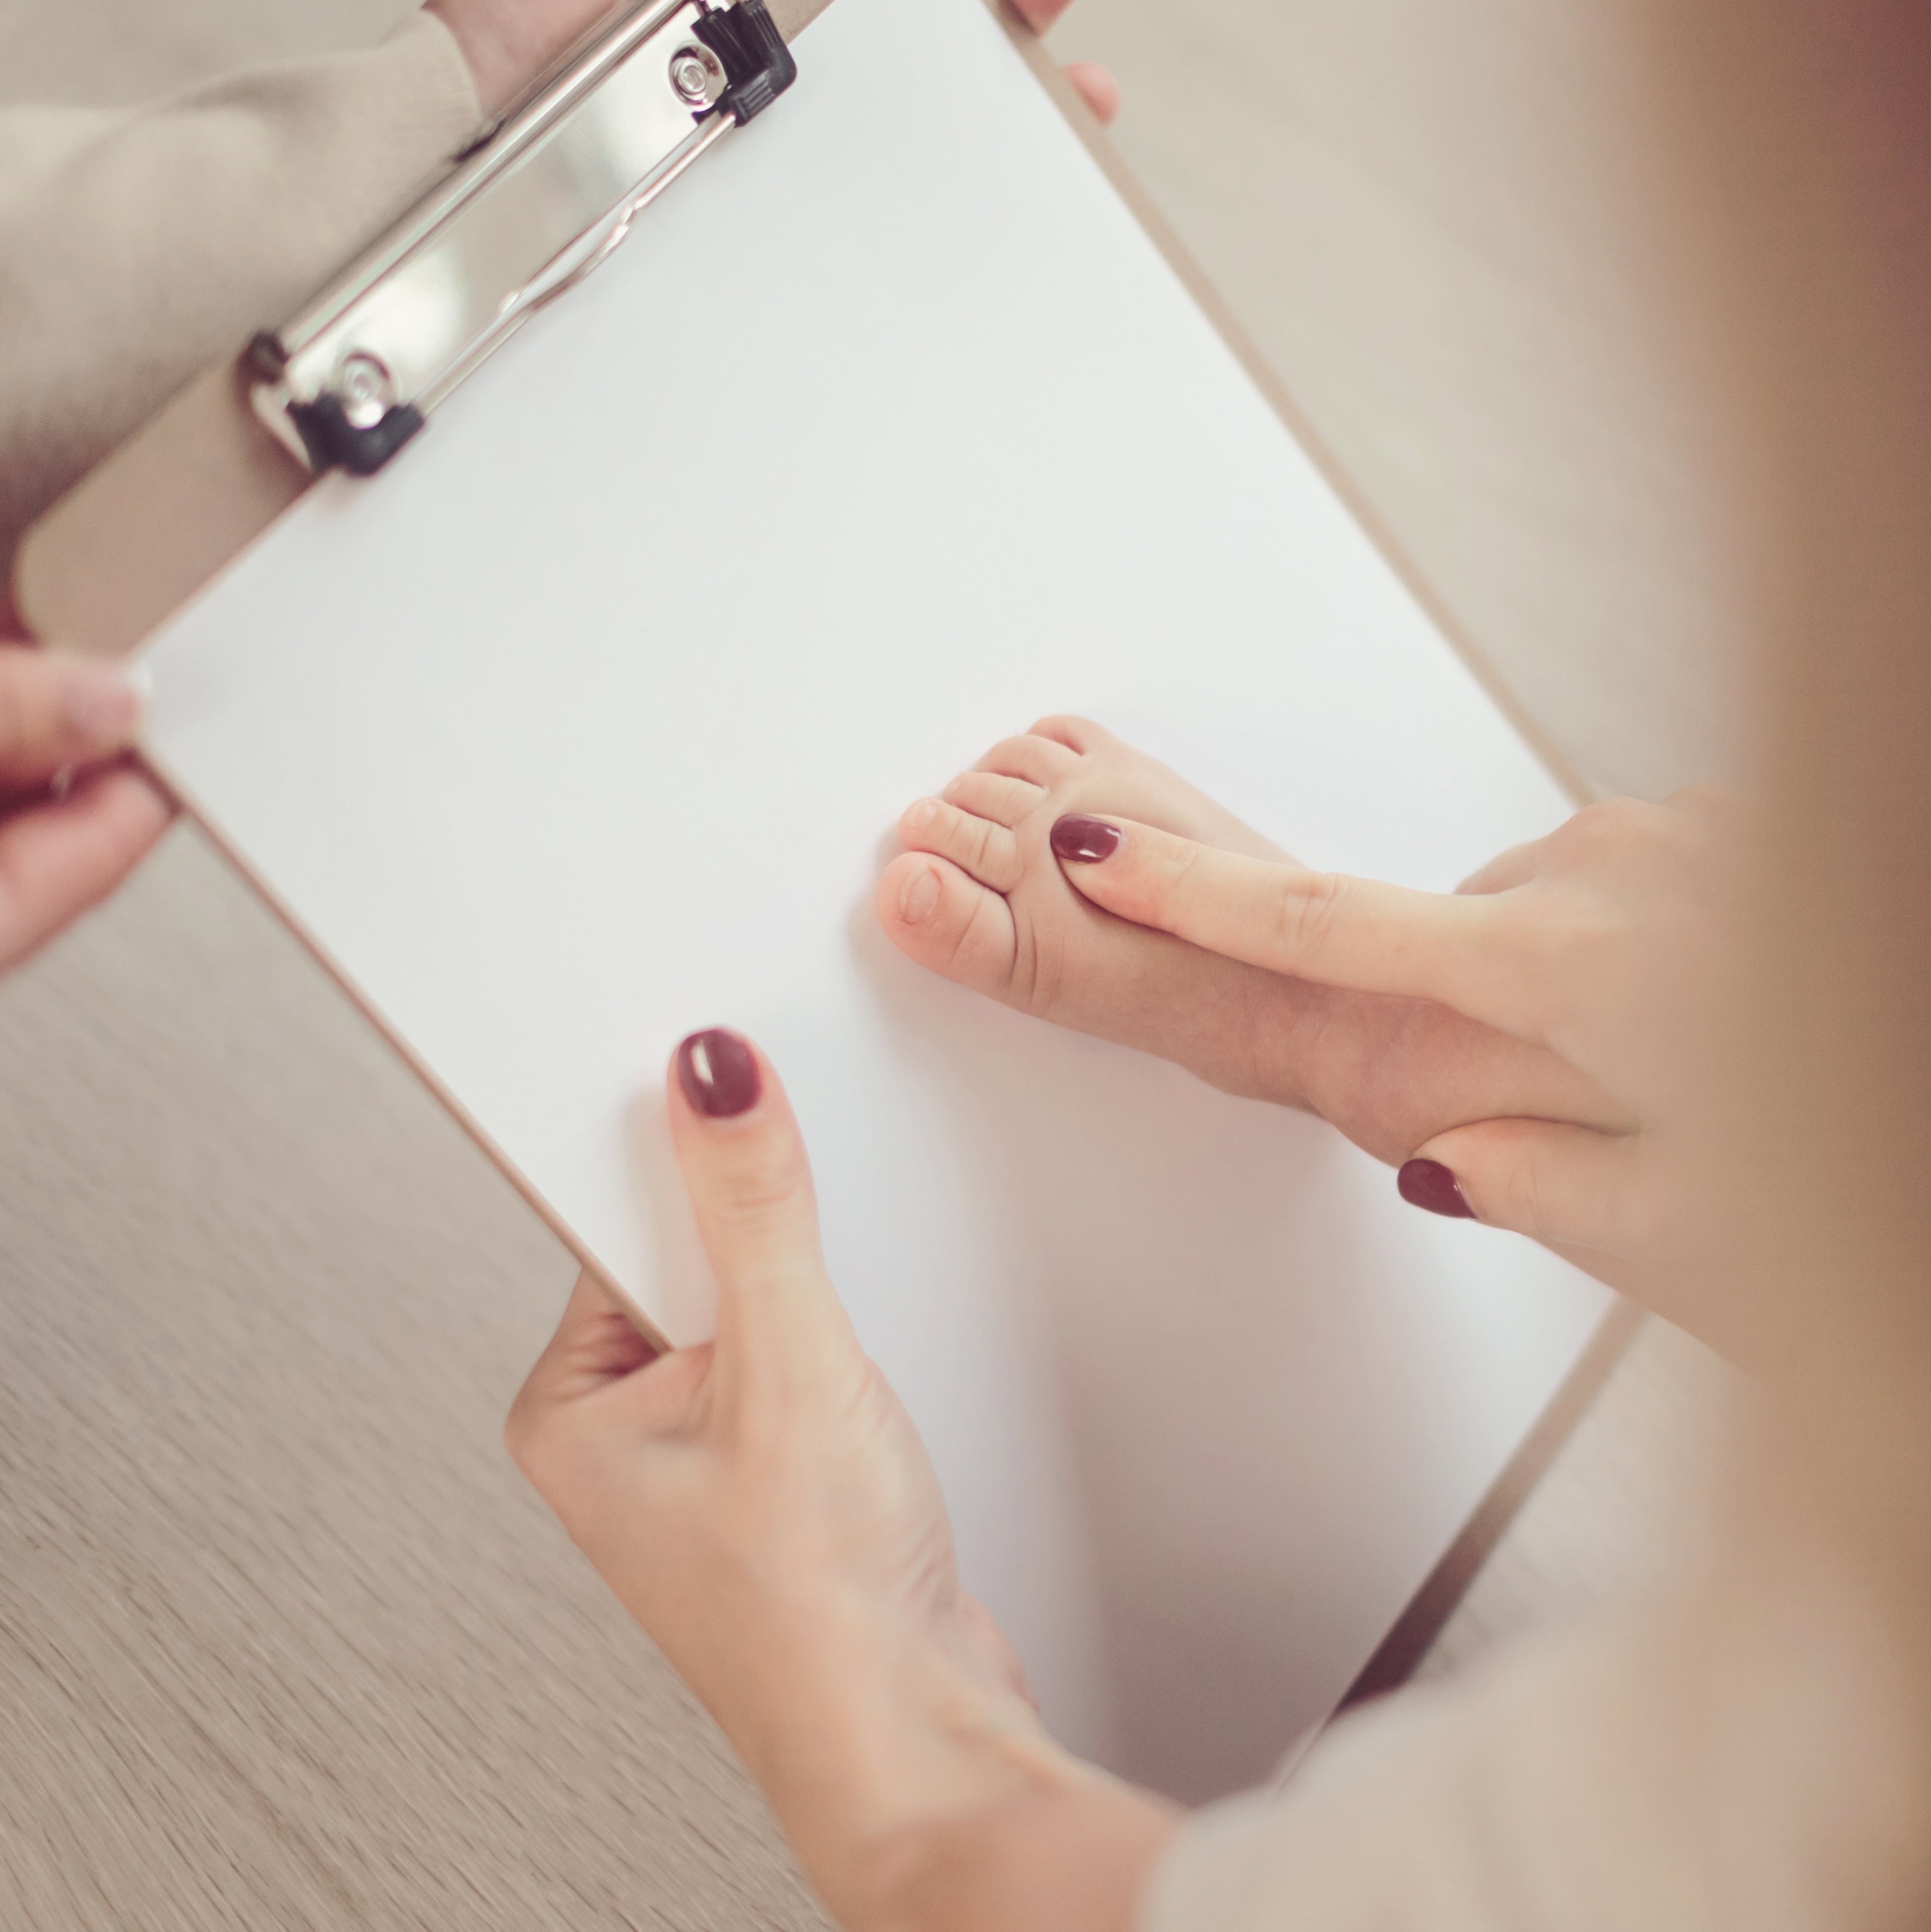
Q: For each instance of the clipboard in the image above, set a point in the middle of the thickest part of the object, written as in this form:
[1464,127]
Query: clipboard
[1080,1519]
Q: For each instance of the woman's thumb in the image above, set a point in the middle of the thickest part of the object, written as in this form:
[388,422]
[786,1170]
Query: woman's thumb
[1567,1187]
[744,1162]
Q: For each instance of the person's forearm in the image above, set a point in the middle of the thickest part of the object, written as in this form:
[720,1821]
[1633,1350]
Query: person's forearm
[921,1793]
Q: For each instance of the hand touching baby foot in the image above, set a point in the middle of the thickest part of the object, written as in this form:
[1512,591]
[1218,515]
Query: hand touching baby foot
[980,898]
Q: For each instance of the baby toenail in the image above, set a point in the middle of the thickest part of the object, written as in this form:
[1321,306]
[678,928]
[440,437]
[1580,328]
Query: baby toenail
[1084,841]
[922,814]
[919,897]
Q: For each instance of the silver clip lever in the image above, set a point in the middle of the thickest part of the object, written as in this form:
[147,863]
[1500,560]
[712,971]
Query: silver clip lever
[541,203]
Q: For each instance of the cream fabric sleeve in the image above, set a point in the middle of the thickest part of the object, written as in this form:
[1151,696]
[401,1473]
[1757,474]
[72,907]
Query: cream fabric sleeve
[137,246]
[1726,1756]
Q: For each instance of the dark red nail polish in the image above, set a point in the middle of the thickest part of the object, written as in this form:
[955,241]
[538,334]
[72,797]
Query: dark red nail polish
[1084,841]
[718,1073]
[1427,1184]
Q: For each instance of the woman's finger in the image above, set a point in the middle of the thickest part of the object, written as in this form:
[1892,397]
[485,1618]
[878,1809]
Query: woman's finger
[744,1162]
[60,711]
[1569,1188]
[1040,14]
[1095,85]
[597,1394]
[1507,870]
[1326,926]
[57,859]
[595,1344]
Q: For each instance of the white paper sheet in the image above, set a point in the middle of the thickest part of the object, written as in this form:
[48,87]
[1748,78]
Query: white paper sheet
[585,724]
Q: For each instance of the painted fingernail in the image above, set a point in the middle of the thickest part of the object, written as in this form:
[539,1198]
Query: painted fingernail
[918,896]
[1084,841]
[102,706]
[718,1073]
[1427,1184]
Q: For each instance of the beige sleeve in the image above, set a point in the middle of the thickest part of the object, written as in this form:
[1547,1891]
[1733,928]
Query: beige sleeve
[1723,1758]
[137,246]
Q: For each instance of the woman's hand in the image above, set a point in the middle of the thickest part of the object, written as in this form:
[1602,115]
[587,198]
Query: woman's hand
[73,820]
[507,43]
[1601,942]
[764,1508]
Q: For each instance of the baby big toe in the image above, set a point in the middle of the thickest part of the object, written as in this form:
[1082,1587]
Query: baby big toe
[947,922]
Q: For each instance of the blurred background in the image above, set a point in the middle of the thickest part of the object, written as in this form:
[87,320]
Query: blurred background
[283,1641]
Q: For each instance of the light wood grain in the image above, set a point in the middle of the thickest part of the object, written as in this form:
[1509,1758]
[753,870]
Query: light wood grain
[284,1638]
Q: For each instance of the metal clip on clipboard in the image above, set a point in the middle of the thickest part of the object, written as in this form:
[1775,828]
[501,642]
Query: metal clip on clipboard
[541,201]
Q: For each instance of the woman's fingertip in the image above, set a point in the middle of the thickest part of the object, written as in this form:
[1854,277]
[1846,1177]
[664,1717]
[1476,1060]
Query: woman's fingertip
[1078,840]
[719,1074]
[1430,1186]
[101,704]
[1097,87]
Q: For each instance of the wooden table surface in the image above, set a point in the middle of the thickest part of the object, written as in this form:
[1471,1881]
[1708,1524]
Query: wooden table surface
[283,1641]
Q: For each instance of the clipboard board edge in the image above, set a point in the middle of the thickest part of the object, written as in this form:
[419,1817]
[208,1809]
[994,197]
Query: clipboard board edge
[491,1149]
[1429,1610]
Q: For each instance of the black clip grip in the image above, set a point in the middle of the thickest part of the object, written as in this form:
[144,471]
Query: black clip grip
[333,441]
[758,66]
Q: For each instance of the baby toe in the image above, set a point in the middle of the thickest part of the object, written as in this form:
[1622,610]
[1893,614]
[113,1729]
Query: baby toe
[1079,735]
[988,851]
[945,920]
[1039,761]
[1003,800]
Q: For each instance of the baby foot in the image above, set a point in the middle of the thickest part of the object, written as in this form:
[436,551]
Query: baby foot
[979,898]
